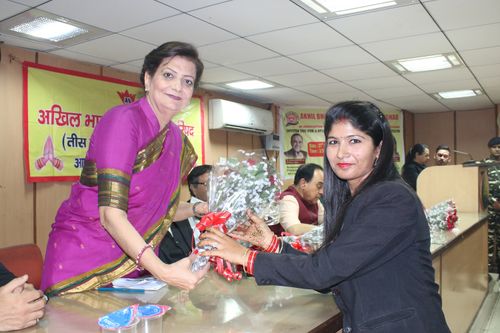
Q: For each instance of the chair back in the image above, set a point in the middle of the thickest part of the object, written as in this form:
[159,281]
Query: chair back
[24,259]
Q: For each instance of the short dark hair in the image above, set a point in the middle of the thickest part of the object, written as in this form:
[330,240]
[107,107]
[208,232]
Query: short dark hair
[306,171]
[195,174]
[367,118]
[443,147]
[494,141]
[169,50]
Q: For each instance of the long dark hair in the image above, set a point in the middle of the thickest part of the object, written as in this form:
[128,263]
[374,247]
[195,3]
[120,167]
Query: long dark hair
[368,118]
[418,148]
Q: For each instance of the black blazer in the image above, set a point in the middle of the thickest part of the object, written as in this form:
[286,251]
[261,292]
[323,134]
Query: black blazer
[379,268]
[410,173]
[5,275]
[178,246]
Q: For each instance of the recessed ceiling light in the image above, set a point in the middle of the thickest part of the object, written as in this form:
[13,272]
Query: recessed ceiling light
[427,63]
[331,8]
[249,84]
[48,28]
[458,93]
[342,7]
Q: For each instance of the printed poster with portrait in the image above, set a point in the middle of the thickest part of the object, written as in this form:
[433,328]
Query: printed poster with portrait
[303,142]
[303,138]
[62,108]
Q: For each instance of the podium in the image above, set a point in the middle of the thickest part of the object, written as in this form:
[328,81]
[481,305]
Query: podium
[461,262]
[467,186]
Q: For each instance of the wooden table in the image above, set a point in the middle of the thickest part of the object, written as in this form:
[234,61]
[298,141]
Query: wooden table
[460,260]
[214,306]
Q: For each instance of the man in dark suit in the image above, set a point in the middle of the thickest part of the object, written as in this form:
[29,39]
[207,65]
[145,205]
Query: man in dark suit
[177,243]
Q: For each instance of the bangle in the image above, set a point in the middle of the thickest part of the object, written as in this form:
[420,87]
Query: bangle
[139,256]
[194,208]
[273,246]
[248,268]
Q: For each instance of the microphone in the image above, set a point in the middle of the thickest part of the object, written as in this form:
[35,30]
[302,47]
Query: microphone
[464,153]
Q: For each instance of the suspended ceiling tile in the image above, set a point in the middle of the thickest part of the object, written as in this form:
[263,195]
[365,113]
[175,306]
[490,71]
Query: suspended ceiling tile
[234,51]
[358,72]
[165,30]
[493,93]
[305,38]
[456,14]
[475,37]
[26,43]
[223,74]
[186,6]
[459,73]
[468,103]
[385,24]
[31,3]
[386,93]
[417,103]
[409,47]
[450,86]
[272,66]
[301,79]
[334,87]
[338,57]
[380,83]
[486,71]
[82,57]
[116,47]
[481,57]
[112,15]
[10,9]
[353,95]
[245,18]
[287,97]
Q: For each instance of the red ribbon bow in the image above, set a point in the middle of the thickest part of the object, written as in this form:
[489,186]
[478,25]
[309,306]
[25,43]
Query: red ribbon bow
[218,220]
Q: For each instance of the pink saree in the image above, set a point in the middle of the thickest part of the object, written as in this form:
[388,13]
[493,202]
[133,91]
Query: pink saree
[130,165]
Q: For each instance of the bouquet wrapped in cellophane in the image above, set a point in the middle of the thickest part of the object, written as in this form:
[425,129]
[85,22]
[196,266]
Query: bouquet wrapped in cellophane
[443,215]
[309,242]
[248,181]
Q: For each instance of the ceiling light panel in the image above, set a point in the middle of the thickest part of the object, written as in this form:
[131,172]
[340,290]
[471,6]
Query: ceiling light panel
[328,9]
[427,63]
[46,27]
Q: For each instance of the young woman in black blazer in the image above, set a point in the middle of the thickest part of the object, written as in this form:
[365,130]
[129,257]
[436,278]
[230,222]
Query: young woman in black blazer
[375,258]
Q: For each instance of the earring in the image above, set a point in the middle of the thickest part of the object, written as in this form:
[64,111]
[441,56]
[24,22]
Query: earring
[375,162]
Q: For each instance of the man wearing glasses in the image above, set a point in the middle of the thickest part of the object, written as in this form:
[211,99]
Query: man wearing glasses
[177,242]
[442,155]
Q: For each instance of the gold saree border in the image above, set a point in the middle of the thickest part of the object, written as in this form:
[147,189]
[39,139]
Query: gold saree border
[151,153]
[114,187]
[89,173]
[124,265]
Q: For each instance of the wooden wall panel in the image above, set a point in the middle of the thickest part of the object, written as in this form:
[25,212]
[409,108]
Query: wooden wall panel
[434,129]
[408,131]
[16,195]
[474,129]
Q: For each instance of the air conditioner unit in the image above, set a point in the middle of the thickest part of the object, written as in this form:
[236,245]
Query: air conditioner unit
[231,116]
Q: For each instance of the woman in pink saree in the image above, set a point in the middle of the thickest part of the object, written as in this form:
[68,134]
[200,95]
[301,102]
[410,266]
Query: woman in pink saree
[128,191]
